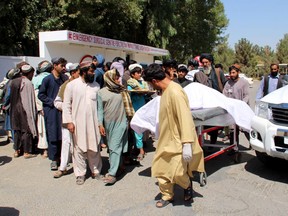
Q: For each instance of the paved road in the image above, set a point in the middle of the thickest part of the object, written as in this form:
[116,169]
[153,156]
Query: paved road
[247,188]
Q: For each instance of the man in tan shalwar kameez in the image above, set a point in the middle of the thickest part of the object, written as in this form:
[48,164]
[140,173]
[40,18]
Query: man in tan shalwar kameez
[178,152]
[80,117]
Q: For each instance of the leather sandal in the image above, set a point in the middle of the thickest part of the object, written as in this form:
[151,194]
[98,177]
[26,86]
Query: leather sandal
[28,155]
[188,193]
[162,203]
[109,179]
[59,173]
[80,180]
[16,154]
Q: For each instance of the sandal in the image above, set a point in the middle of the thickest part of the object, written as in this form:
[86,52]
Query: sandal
[188,193]
[140,157]
[109,179]
[162,203]
[28,155]
[80,180]
[16,154]
[59,173]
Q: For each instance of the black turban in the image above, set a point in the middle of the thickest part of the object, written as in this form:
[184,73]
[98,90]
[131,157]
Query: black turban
[207,56]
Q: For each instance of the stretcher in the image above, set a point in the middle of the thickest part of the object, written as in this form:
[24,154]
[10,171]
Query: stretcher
[216,118]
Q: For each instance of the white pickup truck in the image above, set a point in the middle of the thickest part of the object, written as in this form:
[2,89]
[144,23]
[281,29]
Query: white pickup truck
[269,134]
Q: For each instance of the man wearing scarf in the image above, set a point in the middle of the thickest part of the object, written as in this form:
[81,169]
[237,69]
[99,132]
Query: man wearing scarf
[80,118]
[114,111]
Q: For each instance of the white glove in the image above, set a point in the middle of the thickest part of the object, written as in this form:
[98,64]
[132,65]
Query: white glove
[187,152]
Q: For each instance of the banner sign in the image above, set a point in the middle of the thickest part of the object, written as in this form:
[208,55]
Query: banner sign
[116,44]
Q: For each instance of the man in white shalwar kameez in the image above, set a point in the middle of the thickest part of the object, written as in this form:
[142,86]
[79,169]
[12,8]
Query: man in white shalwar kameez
[80,115]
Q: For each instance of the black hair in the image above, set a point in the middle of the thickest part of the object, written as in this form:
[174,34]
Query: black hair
[193,62]
[108,65]
[219,66]
[132,62]
[170,63]
[273,65]
[85,69]
[60,61]
[183,68]
[153,71]
[136,69]
[121,60]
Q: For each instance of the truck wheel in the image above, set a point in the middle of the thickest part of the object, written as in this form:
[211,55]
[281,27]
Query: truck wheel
[264,158]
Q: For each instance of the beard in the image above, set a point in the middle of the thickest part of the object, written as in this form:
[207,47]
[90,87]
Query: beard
[234,78]
[274,74]
[89,78]
[207,70]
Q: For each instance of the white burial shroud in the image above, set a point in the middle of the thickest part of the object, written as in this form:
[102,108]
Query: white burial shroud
[200,97]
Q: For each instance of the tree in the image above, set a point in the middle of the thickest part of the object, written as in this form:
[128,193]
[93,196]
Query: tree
[282,50]
[199,25]
[224,54]
[184,27]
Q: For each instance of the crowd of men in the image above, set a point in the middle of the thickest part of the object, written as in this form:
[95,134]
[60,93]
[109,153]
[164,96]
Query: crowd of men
[74,110]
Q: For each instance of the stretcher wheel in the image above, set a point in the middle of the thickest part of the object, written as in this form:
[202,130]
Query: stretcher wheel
[237,157]
[203,179]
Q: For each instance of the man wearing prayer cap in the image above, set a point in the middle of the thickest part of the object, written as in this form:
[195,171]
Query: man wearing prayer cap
[43,70]
[181,78]
[80,117]
[53,117]
[136,82]
[24,113]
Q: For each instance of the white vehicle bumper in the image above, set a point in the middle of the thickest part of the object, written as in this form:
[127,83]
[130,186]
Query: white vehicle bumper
[269,138]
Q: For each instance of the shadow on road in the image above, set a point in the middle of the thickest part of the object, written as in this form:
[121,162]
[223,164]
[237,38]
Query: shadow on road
[4,160]
[217,163]
[276,171]
[9,211]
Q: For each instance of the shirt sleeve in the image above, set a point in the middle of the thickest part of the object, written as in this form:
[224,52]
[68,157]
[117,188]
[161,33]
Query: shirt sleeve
[67,105]
[42,95]
[259,93]
[100,110]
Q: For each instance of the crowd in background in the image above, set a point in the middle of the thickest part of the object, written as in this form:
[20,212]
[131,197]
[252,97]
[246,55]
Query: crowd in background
[73,110]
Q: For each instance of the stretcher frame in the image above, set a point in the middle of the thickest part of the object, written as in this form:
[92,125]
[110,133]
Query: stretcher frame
[216,123]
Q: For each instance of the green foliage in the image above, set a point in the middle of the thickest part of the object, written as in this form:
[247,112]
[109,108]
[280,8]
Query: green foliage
[199,25]
[224,54]
[282,50]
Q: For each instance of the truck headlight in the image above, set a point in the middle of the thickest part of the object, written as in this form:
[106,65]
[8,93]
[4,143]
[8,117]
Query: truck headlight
[262,110]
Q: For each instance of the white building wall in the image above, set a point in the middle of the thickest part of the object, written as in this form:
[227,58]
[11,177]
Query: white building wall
[8,62]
